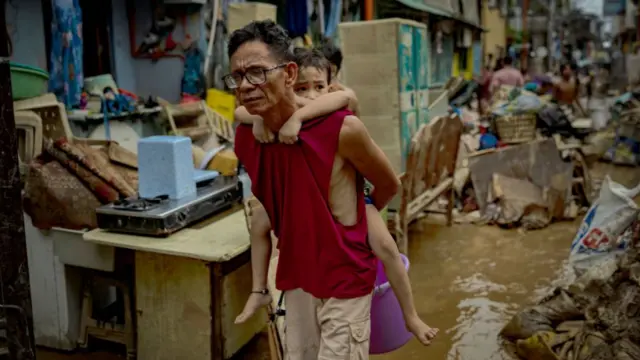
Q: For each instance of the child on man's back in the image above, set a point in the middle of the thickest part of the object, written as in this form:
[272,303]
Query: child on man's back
[313,89]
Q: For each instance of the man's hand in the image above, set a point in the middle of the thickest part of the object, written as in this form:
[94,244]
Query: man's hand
[261,133]
[288,134]
[420,330]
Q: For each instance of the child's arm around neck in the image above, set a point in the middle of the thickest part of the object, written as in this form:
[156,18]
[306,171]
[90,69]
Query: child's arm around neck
[311,109]
[326,104]
[260,132]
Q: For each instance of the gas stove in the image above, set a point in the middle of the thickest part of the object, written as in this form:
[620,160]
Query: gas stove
[161,216]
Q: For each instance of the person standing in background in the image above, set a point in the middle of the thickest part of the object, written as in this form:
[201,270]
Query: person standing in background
[508,75]
[566,90]
[484,80]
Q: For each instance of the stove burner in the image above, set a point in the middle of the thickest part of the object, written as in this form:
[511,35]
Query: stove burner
[140,204]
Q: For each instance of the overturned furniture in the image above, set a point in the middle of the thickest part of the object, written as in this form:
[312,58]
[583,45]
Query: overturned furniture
[196,120]
[430,169]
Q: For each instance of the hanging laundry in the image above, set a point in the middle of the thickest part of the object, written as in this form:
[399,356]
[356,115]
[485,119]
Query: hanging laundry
[297,18]
[334,13]
[65,60]
[316,16]
[193,82]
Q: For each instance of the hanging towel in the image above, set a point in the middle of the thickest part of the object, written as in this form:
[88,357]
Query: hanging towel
[65,61]
[297,18]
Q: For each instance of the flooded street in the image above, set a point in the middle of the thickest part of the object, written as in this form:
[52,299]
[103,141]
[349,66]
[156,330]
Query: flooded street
[468,280]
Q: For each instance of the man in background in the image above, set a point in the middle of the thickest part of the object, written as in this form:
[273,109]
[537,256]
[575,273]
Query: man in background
[508,75]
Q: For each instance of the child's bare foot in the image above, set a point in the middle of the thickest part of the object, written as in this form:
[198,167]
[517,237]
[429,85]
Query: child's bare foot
[262,134]
[254,303]
[421,331]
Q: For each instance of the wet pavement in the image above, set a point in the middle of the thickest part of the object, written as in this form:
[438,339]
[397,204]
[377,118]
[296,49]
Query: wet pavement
[468,281]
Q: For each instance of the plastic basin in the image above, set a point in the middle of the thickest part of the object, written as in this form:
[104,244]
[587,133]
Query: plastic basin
[27,81]
[388,329]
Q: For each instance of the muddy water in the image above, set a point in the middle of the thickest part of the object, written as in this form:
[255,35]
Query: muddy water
[469,280]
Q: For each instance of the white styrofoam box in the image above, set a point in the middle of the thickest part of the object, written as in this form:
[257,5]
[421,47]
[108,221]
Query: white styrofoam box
[165,167]
[246,185]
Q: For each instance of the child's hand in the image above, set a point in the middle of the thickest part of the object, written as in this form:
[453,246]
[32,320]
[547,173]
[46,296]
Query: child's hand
[289,132]
[421,331]
[261,133]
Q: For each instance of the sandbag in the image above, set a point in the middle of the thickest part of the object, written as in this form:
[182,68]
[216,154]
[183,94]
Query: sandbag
[608,218]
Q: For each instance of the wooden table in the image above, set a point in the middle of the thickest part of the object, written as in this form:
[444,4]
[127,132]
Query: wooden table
[189,289]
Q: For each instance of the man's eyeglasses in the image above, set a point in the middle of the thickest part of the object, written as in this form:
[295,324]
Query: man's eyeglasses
[255,76]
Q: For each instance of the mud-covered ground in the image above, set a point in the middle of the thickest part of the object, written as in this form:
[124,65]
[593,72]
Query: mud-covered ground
[468,281]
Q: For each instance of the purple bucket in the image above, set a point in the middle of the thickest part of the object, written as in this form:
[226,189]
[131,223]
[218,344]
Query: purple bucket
[388,329]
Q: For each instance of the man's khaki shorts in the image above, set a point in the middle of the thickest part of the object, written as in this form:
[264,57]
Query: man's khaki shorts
[326,329]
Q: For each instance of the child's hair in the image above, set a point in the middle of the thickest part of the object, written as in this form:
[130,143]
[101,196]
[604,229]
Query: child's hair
[332,53]
[312,58]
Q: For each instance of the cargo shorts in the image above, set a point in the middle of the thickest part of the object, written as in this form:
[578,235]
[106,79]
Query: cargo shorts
[326,329]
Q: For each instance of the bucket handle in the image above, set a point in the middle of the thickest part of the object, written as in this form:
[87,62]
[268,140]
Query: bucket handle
[381,289]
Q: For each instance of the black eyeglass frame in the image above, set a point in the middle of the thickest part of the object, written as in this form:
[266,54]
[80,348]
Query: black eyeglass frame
[228,77]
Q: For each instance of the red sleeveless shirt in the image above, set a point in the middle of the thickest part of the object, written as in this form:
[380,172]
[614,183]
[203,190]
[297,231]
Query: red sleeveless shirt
[317,253]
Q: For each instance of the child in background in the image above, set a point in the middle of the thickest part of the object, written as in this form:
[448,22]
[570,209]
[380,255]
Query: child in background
[313,90]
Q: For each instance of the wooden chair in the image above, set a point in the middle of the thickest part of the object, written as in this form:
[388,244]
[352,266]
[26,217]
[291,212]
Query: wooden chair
[429,174]
[197,120]
[121,333]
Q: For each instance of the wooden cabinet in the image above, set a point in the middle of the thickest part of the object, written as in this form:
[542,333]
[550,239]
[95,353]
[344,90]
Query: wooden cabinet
[386,63]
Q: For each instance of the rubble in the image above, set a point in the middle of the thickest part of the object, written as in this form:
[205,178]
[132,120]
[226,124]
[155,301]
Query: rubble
[595,318]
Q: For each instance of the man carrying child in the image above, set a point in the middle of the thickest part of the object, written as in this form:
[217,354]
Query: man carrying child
[310,184]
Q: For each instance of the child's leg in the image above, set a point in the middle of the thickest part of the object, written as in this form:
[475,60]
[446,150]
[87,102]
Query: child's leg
[260,236]
[385,248]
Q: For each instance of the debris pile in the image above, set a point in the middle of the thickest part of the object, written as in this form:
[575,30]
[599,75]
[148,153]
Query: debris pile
[595,318]
[521,164]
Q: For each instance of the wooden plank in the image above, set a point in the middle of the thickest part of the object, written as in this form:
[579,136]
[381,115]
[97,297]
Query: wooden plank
[217,239]
[173,300]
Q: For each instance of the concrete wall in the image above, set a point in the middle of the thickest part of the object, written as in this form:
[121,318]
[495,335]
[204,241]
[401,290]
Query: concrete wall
[141,76]
[26,29]
[162,78]
[496,26]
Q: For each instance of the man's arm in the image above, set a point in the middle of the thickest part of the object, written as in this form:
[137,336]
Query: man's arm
[356,146]
[495,83]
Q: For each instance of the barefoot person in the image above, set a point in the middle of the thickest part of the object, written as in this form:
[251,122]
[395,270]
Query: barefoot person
[566,89]
[312,193]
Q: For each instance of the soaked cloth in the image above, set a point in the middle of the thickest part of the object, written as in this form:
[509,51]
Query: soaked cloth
[68,181]
[326,329]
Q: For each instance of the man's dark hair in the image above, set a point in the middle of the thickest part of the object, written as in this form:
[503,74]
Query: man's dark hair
[332,53]
[508,60]
[266,31]
[312,58]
